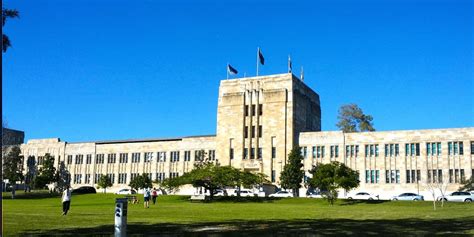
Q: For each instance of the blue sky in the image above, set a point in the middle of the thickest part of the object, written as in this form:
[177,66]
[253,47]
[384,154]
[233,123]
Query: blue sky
[96,70]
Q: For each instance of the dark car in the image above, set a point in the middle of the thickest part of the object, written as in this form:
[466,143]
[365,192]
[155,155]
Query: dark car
[84,189]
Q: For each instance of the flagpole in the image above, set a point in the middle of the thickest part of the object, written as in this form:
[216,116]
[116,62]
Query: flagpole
[258,50]
[227,70]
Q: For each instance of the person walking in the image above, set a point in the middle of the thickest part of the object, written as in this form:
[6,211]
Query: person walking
[66,199]
[154,194]
[146,198]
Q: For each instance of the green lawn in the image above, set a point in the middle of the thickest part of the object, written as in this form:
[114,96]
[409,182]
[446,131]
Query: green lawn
[175,216]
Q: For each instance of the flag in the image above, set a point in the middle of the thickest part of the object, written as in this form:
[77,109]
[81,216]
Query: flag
[260,57]
[231,70]
[289,64]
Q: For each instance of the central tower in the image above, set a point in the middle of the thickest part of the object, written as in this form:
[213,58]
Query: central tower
[259,119]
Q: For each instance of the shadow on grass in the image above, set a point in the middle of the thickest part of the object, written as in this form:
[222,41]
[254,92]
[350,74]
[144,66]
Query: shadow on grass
[31,195]
[302,227]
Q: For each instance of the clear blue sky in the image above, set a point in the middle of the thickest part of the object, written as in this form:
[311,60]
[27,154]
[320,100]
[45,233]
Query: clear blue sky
[96,70]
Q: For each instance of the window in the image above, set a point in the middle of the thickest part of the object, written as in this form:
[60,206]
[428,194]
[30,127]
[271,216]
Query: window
[148,157]
[69,159]
[435,176]
[187,155]
[392,176]
[160,176]
[122,178]
[111,177]
[273,176]
[319,151]
[334,151]
[259,153]
[412,149]
[253,110]
[123,158]
[372,176]
[391,150]
[174,174]
[79,159]
[472,147]
[199,155]
[260,109]
[161,156]
[455,148]
[413,176]
[88,178]
[111,158]
[246,111]
[252,153]
[96,178]
[231,153]
[88,159]
[260,131]
[77,178]
[99,159]
[136,157]
[133,176]
[212,154]
[246,132]
[245,153]
[304,152]
[253,132]
[174,156]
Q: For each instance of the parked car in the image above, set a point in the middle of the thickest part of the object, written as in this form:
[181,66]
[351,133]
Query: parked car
[126,191]
[316,194]
[408,197]
[458,197]
[220,193]
[281,194]
[84,189]
[364,196]
[244,193]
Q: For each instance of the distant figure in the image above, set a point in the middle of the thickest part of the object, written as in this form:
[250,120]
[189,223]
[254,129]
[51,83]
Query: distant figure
[13,192]
[154,194]
[66,198]
[146,198]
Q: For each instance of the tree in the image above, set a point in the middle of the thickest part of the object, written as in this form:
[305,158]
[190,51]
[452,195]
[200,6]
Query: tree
[46,172]
[352,119]
[292,174]
[211,177]
[331,177]
[468,184]
[104,182]
[12,165]
[63,177]
[7,13]
[141,181]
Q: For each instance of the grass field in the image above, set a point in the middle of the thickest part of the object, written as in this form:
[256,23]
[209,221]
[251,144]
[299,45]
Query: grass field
[93,214]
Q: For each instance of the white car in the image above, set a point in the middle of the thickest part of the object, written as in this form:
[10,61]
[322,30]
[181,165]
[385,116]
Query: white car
[458,197]
[281,194]
[364,196]
[126,191]
[408,197]
[244,193]
[220,193]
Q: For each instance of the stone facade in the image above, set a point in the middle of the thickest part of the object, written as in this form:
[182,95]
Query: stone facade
[259,121]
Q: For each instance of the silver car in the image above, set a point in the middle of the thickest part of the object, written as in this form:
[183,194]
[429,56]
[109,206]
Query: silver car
[458,197]
[408,197]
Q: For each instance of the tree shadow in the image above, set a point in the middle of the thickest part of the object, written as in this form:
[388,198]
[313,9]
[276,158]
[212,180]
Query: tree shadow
[30,195]
[347,202]
[300,227]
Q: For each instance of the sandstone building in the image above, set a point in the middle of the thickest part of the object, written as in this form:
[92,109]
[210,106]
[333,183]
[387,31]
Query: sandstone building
[259,120]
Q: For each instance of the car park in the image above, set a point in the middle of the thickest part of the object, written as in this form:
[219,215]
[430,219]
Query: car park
[281,194]
[126,191]
[408,197]
[457,197]
[84,189]
[364,196]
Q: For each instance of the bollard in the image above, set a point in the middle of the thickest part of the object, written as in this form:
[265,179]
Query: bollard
[121,206]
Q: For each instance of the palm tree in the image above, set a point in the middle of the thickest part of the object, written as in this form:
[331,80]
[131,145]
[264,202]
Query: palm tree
[7,13]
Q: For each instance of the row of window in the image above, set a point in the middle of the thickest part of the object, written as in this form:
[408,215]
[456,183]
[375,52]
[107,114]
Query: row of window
[372,150]
[148,157]
[252,132]
[251,110]
[414,176]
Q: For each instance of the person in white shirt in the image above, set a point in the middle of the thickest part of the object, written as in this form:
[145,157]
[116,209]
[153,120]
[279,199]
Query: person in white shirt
[66,198]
